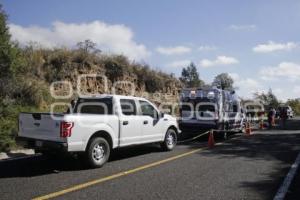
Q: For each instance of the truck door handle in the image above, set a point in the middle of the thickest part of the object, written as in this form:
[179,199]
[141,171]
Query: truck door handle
[125,122]
[145,122]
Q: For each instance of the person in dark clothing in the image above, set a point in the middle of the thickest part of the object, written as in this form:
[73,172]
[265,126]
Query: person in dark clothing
[271,115]
[283,117]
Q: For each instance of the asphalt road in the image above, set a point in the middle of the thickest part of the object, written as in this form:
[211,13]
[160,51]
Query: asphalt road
[240,168]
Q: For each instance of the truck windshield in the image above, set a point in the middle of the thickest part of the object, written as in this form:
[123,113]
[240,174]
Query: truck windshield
[101,106]
[207,108]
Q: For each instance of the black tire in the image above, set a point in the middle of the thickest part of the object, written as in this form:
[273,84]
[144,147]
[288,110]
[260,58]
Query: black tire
[222,131]
[225,135]
[97,152]
[170,140]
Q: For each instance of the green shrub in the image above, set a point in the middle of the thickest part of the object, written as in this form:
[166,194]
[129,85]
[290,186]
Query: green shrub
[114,70]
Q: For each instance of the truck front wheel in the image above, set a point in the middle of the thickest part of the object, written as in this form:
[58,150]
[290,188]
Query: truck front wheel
[170,140]
[97,152]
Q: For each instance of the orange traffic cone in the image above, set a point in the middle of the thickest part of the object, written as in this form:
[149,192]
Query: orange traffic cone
[211,140]
[248,129]
[261,124]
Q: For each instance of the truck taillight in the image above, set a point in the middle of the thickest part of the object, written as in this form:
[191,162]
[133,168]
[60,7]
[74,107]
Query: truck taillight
[66,129]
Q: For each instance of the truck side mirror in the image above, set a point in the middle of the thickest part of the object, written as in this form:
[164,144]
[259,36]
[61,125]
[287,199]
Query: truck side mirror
[162,115]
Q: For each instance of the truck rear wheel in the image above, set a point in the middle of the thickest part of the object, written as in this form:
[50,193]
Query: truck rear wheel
[170,140]
[97,152]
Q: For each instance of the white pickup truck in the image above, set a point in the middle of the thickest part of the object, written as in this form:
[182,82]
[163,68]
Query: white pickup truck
[95,125]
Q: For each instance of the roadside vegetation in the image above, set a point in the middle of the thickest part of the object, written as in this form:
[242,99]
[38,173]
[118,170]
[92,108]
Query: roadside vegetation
[295,104]
[268,99]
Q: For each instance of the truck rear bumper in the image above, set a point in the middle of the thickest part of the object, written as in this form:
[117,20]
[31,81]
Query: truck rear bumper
[42,144]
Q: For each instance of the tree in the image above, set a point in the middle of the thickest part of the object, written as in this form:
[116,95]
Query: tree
[273,100]
[295,105]
[5,45]
[88,46]
[11,60]
[223,81]
[268,100]
[9,67]
[190,76]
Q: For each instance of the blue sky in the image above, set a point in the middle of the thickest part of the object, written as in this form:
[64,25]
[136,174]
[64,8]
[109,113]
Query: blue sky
[257,42]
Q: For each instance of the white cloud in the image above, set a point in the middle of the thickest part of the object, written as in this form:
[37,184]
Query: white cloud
[177,50]
[288,70]
[207,48]
[284,94]
[112,38]
[277,91]
[296,90]
[179,63]
[220,60]
[245,82]
[273,46]
[246,86]
[243,27]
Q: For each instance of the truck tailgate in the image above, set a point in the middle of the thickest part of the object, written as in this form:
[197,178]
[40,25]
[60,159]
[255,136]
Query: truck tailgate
[40,126]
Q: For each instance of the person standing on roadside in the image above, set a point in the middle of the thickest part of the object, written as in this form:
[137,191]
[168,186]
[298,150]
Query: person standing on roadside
[283,116]
[271,115]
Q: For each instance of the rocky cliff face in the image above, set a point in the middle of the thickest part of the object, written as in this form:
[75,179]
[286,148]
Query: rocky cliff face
[110,75]
[74,73]
[95,82]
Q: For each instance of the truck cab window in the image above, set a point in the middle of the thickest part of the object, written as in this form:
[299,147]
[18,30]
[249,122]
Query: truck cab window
[206,108]
[101,106]
[128,106]
[148,110]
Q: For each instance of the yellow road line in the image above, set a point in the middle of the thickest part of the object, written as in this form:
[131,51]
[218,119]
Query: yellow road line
[114,176]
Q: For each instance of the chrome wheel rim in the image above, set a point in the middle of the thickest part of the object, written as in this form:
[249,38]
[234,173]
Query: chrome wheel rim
[98,152]
[170,140]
